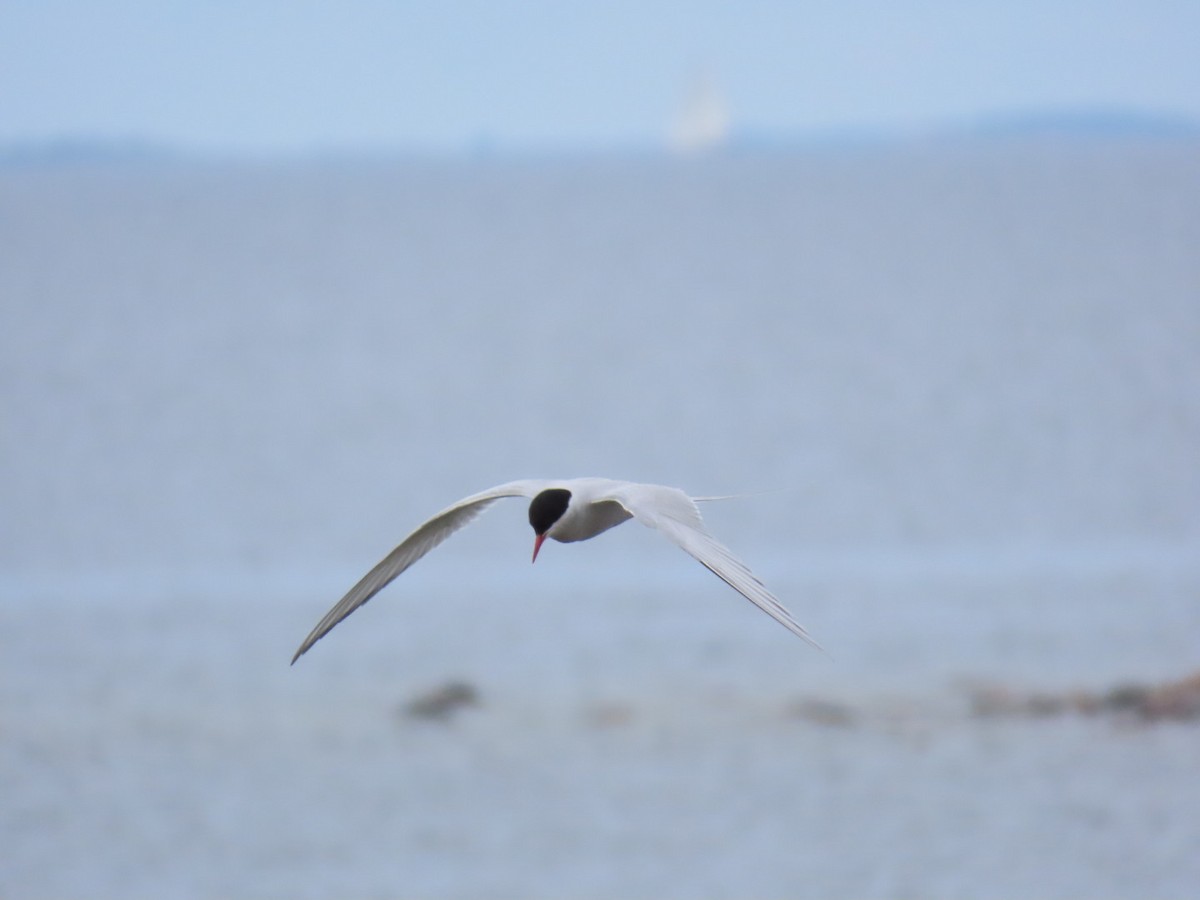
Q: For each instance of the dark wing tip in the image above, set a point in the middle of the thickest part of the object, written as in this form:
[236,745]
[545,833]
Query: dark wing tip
[304,648]
[317,633]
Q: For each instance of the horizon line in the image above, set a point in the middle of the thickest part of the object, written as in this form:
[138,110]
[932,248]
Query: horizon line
[1066,122]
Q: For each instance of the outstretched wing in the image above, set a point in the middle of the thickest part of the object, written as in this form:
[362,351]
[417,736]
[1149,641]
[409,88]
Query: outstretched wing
[416,545]
[674,514]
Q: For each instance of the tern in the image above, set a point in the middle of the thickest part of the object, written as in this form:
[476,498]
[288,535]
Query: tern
[567,511]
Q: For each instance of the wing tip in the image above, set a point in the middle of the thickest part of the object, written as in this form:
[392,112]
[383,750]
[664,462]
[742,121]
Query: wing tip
[304,648]
[308,644]
[795,628]
[812,641]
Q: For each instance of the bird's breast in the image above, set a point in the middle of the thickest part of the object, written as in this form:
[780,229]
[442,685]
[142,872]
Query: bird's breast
[583,522]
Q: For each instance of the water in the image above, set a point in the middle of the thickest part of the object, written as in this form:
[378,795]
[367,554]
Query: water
[966,377]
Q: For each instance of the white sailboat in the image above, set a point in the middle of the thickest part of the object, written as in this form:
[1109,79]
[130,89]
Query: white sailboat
[702,123]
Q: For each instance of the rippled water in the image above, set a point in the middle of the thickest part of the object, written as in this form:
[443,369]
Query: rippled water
[965,377]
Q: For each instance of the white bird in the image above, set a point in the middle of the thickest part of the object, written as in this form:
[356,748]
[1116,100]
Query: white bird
[567,511]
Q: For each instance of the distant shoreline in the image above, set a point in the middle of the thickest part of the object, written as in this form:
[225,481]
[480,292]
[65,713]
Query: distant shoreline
[1072,125]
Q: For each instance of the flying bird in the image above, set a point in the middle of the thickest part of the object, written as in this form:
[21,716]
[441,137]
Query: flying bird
[567,511]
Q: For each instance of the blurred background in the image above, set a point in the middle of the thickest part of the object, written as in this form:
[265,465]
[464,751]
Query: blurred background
[281,280]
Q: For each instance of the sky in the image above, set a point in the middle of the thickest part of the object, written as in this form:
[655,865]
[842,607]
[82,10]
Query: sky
[261,77]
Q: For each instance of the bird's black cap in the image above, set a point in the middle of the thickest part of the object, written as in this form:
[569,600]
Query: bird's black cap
[547,508]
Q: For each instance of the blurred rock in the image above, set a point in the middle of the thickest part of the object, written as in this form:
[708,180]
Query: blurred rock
[1045,704]
[442,702]
[1174,700]
[1125,698]
[993,700]
[822,712]
[609,714]
[1170,700]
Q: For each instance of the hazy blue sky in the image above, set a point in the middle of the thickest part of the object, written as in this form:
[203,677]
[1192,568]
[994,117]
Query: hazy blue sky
[292,76]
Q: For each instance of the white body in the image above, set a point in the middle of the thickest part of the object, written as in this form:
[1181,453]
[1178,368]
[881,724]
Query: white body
[596,505]
[592,509]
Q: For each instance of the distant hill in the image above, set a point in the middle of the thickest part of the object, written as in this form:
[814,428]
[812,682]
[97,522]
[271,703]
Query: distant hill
[1066,124]
[79,151]
[1077,124]
[1085,123]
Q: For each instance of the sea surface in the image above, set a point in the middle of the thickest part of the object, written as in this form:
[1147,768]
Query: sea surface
[955,385]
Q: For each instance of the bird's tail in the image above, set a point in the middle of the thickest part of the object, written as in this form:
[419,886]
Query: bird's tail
[732,496]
